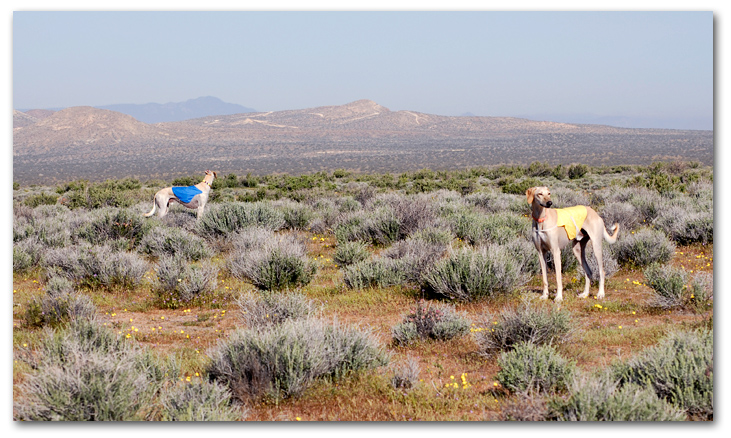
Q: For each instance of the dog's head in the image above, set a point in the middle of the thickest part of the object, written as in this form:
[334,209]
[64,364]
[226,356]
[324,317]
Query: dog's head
[210,172]
[541,195]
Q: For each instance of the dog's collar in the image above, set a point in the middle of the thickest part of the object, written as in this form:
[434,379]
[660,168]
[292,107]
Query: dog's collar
[209,184]
[539,220]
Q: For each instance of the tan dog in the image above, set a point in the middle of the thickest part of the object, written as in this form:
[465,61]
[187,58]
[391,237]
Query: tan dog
[165,196]
[549,236]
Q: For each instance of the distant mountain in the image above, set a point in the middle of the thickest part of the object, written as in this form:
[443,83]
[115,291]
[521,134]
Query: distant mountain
[91,143]
[178,111]
[698,123]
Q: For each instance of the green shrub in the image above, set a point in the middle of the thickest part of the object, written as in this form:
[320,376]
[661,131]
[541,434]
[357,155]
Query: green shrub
[198,400]
[40,199]
[162,241]
[644,248]
[437,321]
[577,171]
[519,188]
[348,253]
[597,399]
[536,324]
[271,308]
[179,283]
[469,275]
[679,369]
[283,360]
[534,367]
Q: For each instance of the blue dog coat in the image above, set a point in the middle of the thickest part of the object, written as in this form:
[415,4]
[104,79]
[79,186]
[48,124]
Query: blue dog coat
[186,194]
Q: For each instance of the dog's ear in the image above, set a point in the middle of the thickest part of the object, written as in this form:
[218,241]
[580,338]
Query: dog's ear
[529,194]
[215,175]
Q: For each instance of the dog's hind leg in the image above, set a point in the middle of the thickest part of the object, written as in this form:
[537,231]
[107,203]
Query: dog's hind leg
[580,253]
[597,246]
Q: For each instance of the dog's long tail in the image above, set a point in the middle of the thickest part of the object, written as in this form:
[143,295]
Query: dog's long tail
[613,237]
[154,207]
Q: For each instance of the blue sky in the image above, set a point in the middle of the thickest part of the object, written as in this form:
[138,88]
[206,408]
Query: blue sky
[655,68]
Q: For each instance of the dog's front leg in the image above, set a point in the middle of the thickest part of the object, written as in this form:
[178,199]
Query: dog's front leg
[556,253]
[544,273]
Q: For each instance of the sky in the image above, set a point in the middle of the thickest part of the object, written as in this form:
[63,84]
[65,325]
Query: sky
[655,68]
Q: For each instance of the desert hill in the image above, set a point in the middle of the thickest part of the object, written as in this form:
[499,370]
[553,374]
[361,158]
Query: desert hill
[92,143]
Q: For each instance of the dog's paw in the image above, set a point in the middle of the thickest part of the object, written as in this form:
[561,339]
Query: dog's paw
[558,299]
[544,297]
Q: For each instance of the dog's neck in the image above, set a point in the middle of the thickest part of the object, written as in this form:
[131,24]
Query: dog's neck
[206,180]
[539,212]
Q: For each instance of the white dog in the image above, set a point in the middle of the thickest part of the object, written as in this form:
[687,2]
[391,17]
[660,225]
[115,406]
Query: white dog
[193,197]
[553,229]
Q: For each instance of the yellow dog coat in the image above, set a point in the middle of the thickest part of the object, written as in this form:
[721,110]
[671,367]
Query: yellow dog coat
[571,219]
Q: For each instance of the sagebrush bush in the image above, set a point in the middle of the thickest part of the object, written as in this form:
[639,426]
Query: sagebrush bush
[96,266]
[430,321]
[179,283]
[528,322]
[27,254]
[686,227]
[623,213]
[199,400]
[414,257]
[679,369]
[533,367]
[86,373]
[348,253]
[283,360]
[110,224]
[378,227]
[223,219]
[272,261]
[297,216]
[643,248]
[164,241]
[59,305]
[271,308]
[668,284]
[468,275]
[599,399]
[379,271]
